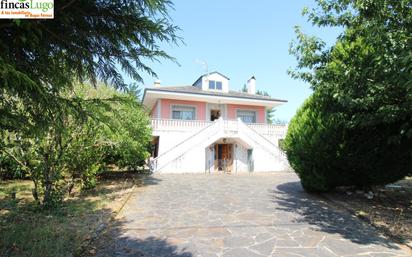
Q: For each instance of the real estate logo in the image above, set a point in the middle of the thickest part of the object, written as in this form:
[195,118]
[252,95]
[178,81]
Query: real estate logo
[26,9]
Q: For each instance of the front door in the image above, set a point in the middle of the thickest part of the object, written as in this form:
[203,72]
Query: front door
[214,115]
[155,147]
[223,157]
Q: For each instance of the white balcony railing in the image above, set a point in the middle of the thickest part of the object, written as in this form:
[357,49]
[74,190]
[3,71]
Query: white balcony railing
[193,125]
[178,125]
[269,129]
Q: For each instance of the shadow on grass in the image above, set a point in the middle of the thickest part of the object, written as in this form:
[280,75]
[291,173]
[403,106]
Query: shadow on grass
[27,230]
[120,180]
[312,209]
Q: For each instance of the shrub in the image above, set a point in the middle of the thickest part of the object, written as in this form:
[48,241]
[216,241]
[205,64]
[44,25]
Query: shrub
[357,127]
[308,153]
[9,169]
[89,178]
[326,153]
[124,136]
[130,133]
[73,148]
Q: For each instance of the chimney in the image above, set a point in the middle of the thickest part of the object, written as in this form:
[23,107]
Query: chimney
[251,85]
[156,83]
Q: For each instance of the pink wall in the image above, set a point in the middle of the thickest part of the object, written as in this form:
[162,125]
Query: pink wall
[260,111]
[153,113]
[166,106]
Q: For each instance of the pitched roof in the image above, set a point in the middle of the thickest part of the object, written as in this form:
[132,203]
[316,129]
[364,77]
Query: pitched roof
[199,91]
[213,72]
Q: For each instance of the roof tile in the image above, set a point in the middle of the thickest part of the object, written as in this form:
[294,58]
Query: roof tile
[196,90]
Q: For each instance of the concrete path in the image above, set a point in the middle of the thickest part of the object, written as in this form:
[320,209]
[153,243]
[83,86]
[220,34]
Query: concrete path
[237,216]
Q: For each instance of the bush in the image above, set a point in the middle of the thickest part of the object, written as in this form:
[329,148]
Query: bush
[357,127]
[9,169]
[89,178]
[74,147]
[308,153]
[124,136]
[131,134]
[326,153]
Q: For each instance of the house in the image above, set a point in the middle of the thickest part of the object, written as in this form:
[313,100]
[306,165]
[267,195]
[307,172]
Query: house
[206,127]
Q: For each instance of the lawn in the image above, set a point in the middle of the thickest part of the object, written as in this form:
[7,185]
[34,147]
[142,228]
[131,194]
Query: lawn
[28,231]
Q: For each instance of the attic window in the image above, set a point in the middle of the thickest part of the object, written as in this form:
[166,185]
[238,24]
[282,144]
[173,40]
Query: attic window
[215,84]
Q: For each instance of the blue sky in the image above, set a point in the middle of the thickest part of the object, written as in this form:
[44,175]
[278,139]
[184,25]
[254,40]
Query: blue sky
[240,39]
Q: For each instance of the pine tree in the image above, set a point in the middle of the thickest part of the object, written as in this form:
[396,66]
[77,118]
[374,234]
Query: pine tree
[87,40]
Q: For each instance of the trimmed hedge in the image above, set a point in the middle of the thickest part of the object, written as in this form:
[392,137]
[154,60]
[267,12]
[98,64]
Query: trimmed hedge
[327,153]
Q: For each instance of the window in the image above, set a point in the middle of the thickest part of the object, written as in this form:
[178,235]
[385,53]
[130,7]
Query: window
[250,162]
[215,84]
[183,112]
[247,116]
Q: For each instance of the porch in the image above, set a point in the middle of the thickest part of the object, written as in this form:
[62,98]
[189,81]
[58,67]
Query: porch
[229,155]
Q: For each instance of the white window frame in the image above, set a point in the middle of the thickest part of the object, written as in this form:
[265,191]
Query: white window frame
[215,82]
[247,110]
[182,106]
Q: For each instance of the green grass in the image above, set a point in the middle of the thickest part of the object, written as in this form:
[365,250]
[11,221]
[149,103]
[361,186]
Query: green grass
[25,230]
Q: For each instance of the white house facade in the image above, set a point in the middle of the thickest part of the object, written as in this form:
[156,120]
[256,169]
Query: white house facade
[208,128]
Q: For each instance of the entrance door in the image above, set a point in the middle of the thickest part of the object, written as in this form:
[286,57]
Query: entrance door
[155,147]
[214,115]
[223,157]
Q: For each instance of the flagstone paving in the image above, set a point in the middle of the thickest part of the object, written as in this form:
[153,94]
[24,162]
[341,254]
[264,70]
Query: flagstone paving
[238,215]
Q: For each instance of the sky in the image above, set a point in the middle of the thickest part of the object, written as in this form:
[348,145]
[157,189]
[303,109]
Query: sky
[240,39]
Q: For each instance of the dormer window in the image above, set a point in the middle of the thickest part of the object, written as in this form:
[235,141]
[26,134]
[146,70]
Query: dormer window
[213,84]
[213,81]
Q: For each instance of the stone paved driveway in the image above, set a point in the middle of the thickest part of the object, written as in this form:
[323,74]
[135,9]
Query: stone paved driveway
[238,215]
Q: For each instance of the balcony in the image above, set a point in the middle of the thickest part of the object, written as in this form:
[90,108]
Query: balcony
[178,125]
[269,130]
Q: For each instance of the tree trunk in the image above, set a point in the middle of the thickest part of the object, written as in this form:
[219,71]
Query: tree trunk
[47,183]
[35,191]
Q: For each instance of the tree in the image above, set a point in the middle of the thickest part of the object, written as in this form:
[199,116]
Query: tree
[126,128]
[74,148]
[87,40]
[41,61]
[362,84]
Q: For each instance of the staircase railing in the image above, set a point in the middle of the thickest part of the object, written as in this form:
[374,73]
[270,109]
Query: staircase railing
[260,140]
[173,153]
[269,129]
[227,128]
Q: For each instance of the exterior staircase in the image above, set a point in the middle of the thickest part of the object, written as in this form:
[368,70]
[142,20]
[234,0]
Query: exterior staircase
[172,158]
[158,163]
